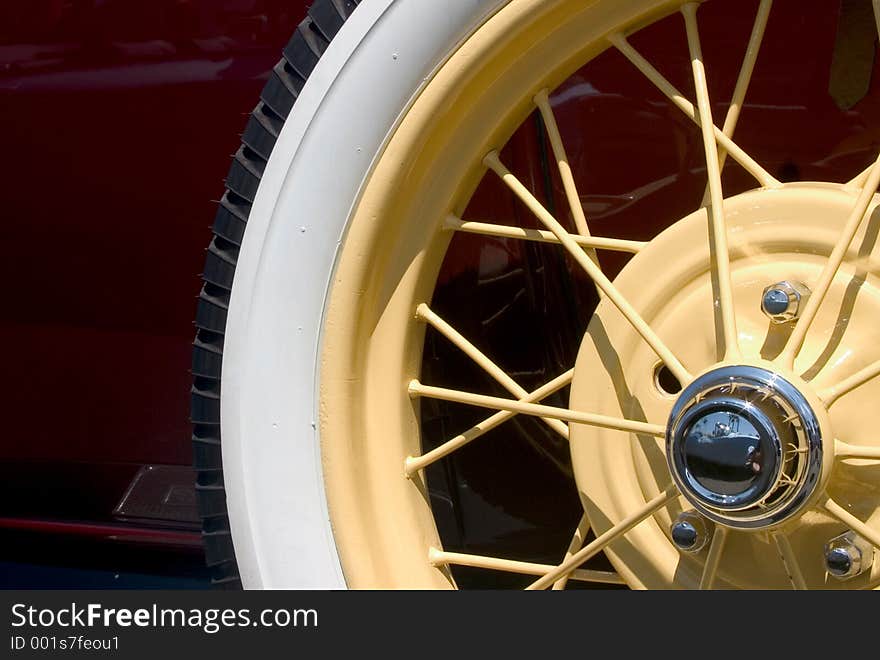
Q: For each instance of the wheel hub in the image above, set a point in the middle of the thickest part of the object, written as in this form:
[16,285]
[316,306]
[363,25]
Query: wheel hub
[749,443]
[744,447]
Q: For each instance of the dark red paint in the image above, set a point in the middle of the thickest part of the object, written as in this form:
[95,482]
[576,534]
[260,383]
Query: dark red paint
[119,118]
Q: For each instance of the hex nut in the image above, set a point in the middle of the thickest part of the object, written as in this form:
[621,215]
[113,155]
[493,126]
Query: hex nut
[784,301]
[691,532]
[848,555]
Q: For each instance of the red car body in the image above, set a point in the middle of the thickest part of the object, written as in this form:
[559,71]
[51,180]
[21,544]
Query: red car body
[119,118]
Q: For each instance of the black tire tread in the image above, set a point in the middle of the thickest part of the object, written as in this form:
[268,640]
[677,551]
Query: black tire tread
[286,80]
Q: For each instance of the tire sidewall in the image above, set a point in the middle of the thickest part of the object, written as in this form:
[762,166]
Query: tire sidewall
[353,99]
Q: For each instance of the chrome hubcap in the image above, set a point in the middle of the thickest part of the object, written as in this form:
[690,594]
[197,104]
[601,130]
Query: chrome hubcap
[728,452]
[744,446]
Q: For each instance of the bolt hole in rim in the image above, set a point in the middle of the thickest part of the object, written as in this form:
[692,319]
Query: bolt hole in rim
[665,381]
[380,309]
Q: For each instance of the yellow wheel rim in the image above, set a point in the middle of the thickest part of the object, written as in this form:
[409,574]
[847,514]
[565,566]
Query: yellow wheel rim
[379,307]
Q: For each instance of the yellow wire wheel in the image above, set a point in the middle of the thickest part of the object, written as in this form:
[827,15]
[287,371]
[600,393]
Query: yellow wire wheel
[688,303]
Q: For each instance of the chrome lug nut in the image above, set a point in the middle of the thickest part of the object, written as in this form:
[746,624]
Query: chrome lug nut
[848,555]
[690,531]
[783,302]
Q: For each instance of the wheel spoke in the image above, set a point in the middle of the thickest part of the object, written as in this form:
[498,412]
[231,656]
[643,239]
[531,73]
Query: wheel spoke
[571,194]
[843,450]
[542,236]
[763,176]
[413,464]
[720,254]
[537,410]
[858,181]
[743,80]
[789,561]
[675,366]
[831,394]
[848,519]
[441,558]
[604,539]
[819,291]
[577,542]
[425,313]
[710,570]
[876,4]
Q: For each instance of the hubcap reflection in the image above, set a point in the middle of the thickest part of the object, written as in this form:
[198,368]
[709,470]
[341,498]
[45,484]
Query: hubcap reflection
[744,447]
